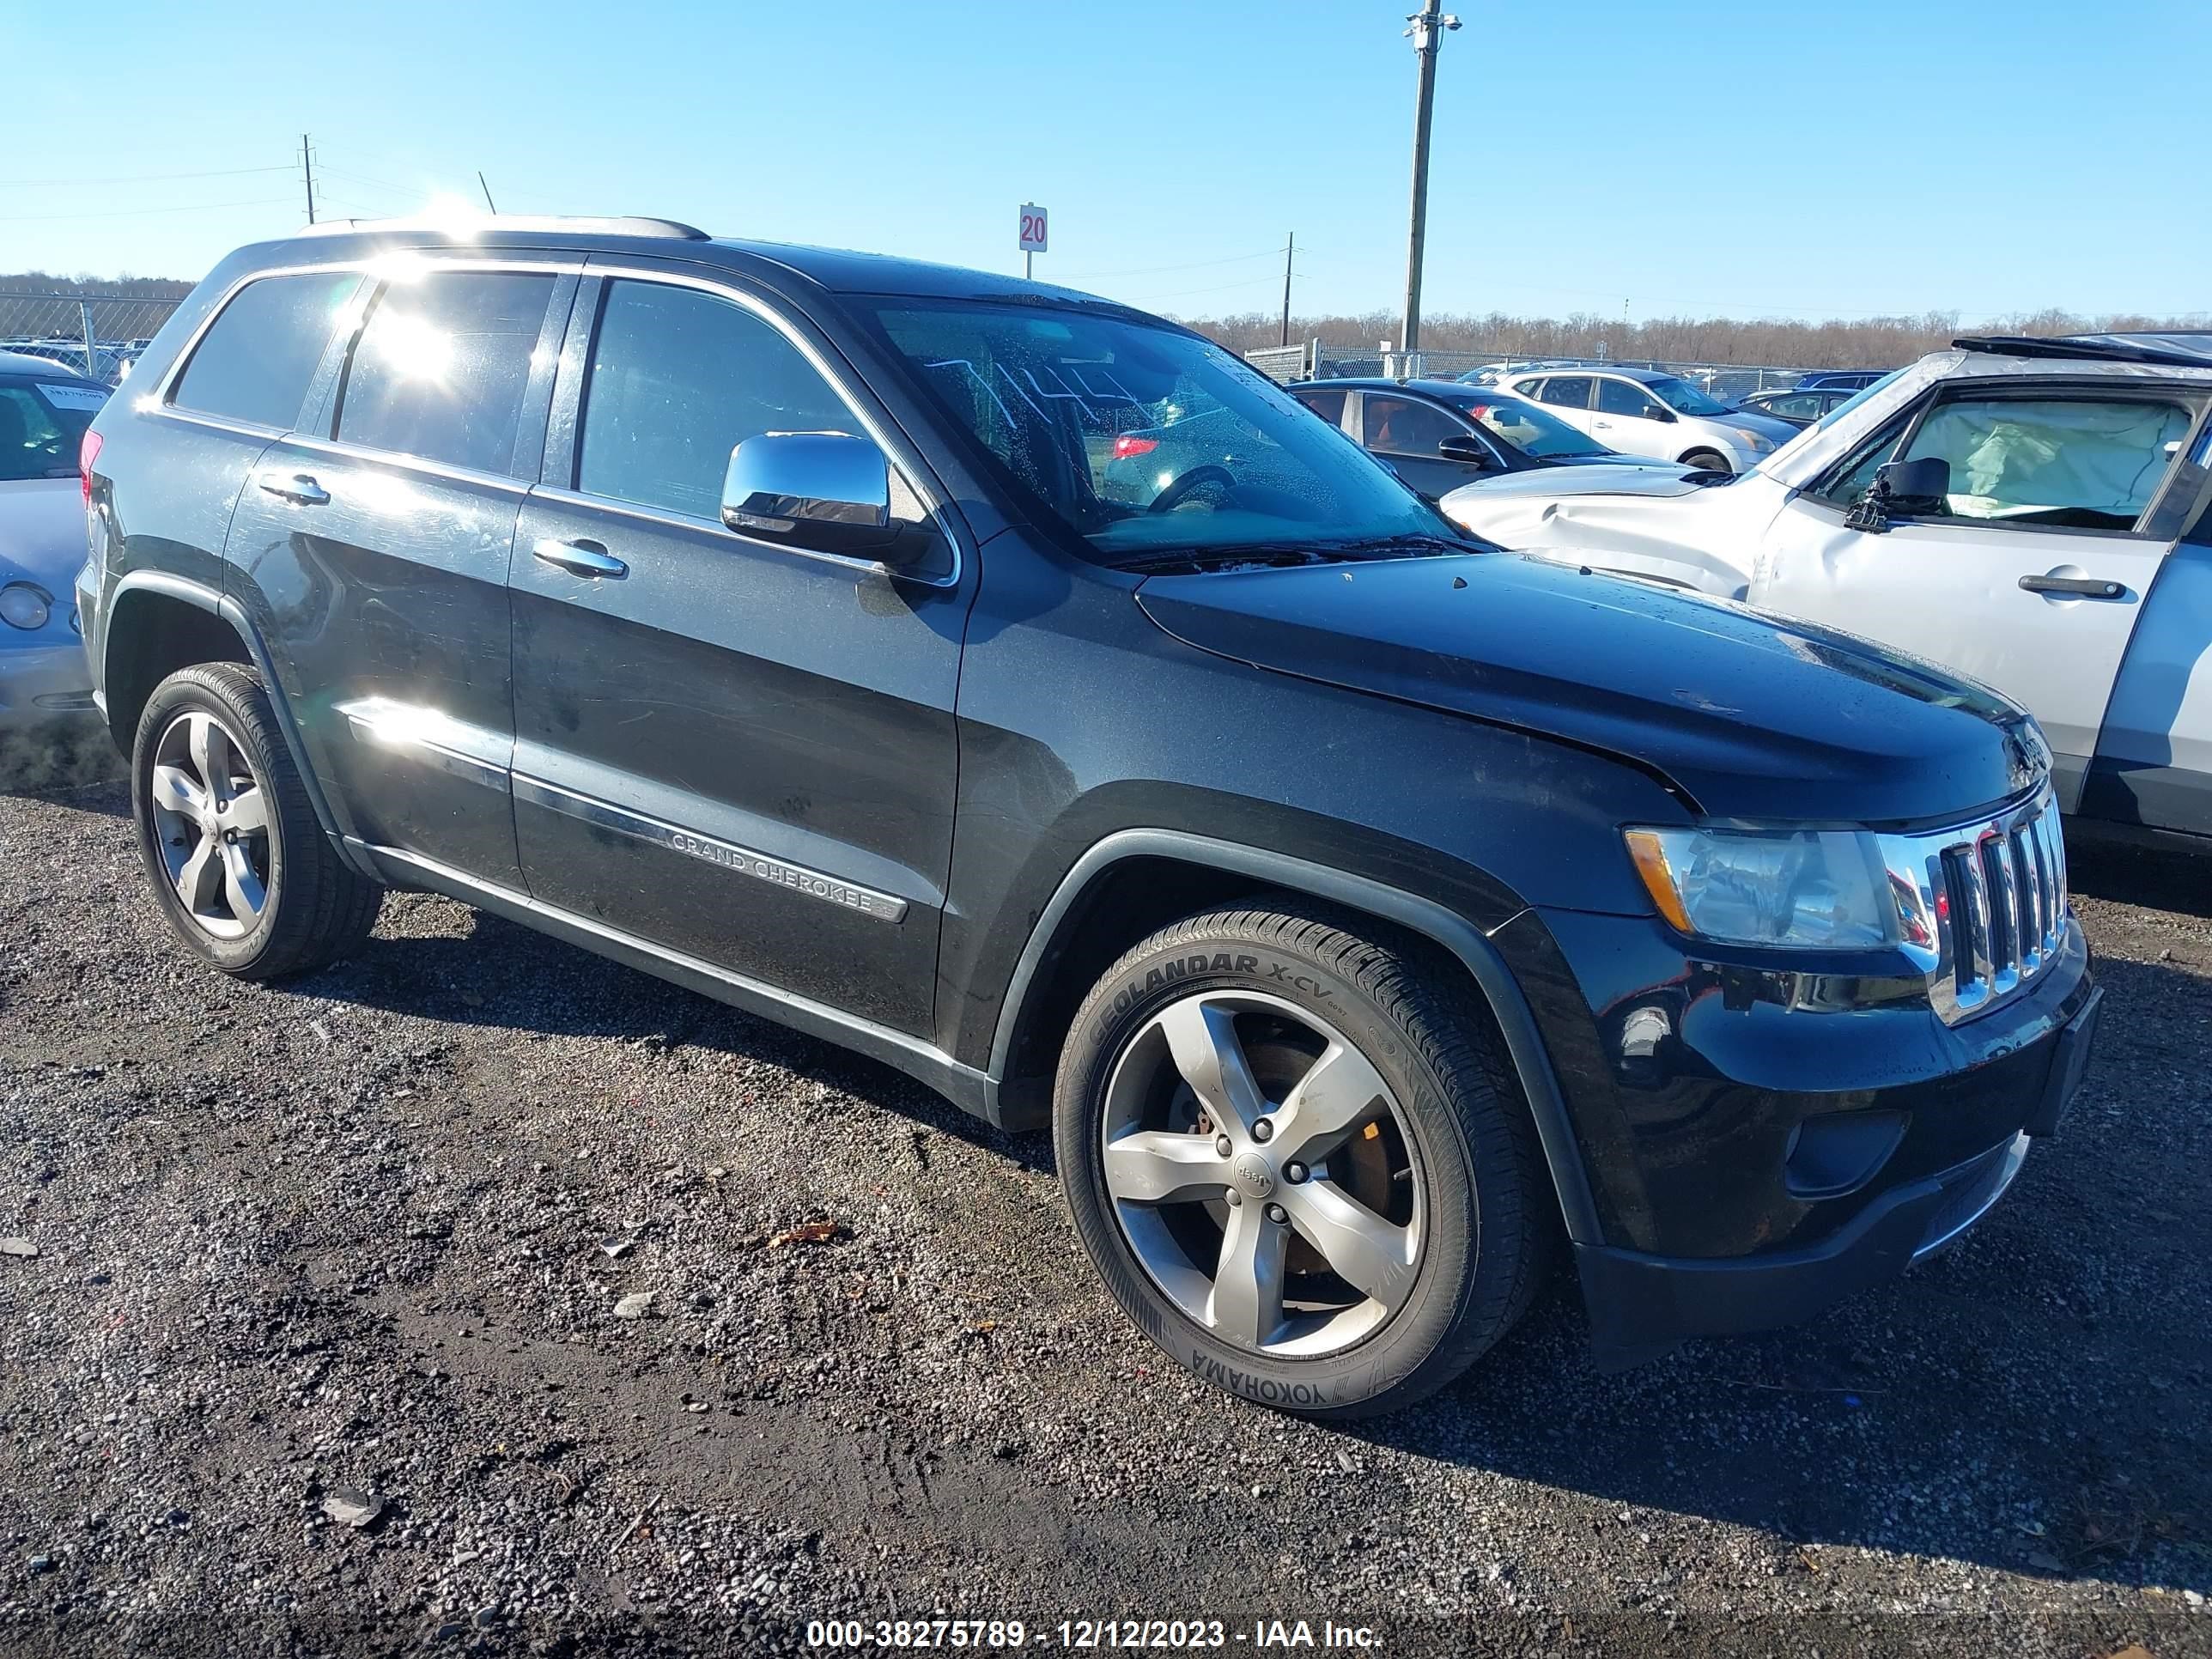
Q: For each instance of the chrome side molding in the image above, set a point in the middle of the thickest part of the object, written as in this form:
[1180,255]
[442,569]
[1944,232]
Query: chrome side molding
[745,860]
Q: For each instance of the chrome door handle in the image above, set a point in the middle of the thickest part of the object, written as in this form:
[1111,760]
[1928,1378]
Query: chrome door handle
[2085,587]
[298,488]
[580,558]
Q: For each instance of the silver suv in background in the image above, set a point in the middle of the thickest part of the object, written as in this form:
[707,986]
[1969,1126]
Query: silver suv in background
[1644,411]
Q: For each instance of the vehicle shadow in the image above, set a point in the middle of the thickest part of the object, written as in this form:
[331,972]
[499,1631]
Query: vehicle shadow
[500,974]
[2161,878]
[2036,1399]
[74,762]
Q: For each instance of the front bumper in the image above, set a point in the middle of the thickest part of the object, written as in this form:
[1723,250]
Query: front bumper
[41,681]
[1763,1146]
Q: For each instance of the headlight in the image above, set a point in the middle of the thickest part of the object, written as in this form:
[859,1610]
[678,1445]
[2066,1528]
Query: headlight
[22,606]
[1758,442]
[1814,890]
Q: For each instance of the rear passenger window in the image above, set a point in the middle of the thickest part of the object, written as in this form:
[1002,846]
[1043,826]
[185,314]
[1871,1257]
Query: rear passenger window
[1567,390]
[441,364]
[254,363]
[678,378]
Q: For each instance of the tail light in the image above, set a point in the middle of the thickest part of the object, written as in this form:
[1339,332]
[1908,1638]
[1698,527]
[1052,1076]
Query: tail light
[87,451]
[1127,446]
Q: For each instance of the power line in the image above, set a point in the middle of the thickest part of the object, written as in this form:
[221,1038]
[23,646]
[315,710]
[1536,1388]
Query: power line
[132,213]
[1187,293]
[363,179]
[1190,264]
[134,179]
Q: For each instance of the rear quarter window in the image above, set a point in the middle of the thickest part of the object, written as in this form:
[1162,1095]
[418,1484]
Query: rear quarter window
[255,362]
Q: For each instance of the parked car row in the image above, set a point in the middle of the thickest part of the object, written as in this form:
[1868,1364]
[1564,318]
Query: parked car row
[110,364]
[1024,692]
[2035,514]
[44,408]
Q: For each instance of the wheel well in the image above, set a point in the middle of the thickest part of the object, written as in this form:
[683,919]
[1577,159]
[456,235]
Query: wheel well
[1130,900]
[151,637]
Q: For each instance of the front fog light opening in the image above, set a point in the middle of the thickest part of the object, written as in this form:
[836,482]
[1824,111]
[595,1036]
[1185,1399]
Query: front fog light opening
[24,606]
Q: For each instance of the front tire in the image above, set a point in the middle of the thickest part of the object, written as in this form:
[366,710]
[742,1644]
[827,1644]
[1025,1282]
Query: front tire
[1295,1156]
[238,860]
[1708,461]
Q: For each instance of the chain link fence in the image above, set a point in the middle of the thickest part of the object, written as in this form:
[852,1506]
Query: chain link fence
[96,334]
[1316,359]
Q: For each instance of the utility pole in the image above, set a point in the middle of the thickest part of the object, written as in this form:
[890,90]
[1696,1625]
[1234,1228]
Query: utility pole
[1426,24]
[1287,253]
[307,162]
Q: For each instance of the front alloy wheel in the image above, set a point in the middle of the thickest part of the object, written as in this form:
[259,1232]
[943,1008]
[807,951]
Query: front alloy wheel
[1290,1144]
[1261,1173]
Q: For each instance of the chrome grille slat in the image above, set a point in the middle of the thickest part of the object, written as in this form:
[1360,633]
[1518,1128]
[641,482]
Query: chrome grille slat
[1981,907]
[2004,912]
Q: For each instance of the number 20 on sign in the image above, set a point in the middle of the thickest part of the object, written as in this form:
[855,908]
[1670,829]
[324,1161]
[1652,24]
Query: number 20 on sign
[1032,229]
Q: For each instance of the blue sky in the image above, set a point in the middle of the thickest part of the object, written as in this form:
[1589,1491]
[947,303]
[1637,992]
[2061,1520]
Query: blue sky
[1809,161]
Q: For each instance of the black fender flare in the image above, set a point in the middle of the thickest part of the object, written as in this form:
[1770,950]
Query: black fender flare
[229,610]
[1524,1045]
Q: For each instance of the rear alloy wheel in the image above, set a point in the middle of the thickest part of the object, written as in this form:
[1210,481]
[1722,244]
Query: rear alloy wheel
[1295,1160]
[238,860]
[211,823]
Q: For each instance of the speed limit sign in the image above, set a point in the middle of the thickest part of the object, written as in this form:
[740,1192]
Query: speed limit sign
[1032,229]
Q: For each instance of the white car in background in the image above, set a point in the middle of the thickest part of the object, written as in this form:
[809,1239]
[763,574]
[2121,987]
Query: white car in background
[1644,411]
[2036,514]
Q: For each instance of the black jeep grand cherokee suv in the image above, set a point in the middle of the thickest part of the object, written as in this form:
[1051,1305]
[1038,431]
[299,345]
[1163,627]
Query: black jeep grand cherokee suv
[1362,906]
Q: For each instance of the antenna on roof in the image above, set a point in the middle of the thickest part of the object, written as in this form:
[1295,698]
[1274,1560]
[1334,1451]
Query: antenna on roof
[489,206]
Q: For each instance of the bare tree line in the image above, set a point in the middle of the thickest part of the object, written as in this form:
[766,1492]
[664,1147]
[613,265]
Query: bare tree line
[1840,343]
[125,287]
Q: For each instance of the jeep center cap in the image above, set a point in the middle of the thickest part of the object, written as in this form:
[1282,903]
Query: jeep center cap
[1254,1176]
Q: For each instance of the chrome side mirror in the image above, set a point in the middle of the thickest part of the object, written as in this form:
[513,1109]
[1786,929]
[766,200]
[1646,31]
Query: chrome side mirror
[830,492]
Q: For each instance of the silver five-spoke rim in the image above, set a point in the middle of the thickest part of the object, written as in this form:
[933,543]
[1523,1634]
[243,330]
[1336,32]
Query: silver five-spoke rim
[1263,1173]
[211,820]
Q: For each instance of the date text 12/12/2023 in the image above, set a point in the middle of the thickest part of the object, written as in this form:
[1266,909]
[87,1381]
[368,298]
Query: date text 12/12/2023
[1164,1635]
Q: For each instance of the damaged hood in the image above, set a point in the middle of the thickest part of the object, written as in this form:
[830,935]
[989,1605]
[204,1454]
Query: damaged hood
[1753,718]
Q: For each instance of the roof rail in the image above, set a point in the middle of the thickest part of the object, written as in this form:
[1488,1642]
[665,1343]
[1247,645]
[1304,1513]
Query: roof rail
[463,224]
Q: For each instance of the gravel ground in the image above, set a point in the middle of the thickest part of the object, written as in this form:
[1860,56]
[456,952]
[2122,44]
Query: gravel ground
[480,1295]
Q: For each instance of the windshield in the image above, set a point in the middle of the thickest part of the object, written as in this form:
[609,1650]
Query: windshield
[1684,398]
[41,423]
[1144,441]
[1532,430]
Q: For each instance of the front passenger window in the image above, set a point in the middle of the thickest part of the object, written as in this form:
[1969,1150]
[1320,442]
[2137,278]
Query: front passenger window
[1400,426]
[2081,464]
[678,377]
[1623,398]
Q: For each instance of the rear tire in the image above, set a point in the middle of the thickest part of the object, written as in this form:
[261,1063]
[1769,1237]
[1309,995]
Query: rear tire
[1708,461]
[239,862]
[1379,1217]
